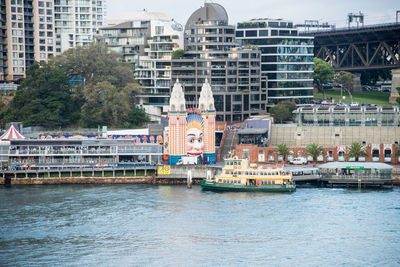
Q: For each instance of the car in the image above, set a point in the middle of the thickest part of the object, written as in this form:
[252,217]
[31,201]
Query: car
[298,161]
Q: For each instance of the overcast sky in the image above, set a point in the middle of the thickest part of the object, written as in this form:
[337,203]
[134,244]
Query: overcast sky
[333,11]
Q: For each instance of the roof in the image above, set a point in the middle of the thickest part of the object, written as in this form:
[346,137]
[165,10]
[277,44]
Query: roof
[141,15]
[12,133]
[210,11]
[253,131]
[366,165]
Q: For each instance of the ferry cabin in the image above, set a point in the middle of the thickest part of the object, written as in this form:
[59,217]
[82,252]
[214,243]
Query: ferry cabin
[240,172]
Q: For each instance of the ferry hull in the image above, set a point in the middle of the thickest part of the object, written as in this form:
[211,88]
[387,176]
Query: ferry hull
[212,186]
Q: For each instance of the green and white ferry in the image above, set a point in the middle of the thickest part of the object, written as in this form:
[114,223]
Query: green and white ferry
[240,175]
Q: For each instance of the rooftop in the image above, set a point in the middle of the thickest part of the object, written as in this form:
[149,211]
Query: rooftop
[364,165]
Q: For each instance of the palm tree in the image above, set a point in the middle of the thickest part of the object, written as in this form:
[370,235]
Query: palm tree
[283,150]
[397,152]
[314,151]
[355,151]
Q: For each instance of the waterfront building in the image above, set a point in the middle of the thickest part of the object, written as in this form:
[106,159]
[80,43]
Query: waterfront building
[335,128]
[211,52]
[363,116]
[286,58]
[26,36]
[76,22]
[146,40]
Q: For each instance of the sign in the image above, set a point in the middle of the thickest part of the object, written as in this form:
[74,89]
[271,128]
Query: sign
[160,170]
[355,167]
[165,169]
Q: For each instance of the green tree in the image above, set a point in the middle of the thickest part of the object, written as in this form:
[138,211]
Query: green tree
[137,117]
[106,104]
[355,151]
[178,54]
[323,73]
[108,90]
[314,151]
[283,150]
[370,77]
[346,79]
[95,63]
[43,98]
[397,152]
[283,111]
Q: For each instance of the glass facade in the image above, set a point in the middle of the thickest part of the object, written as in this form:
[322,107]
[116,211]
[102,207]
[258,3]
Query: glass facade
[344,116]
[287,59]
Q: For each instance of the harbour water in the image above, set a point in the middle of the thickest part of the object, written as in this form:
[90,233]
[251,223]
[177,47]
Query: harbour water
[144,225]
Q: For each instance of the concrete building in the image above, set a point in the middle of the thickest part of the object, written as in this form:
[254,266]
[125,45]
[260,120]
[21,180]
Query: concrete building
[146,40]
[286,58]
[211,52]
[28,36]
[335,129]
[76,22]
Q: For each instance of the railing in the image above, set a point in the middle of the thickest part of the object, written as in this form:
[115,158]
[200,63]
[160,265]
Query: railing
[355,176]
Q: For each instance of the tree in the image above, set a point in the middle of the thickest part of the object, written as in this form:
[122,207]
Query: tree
[314,151]
[356,151]
[370,77]
[137,117]
[346,79]
[283,111]
[106,104]
[283,151]
[108,90]
[323,72]
[178,54]
[43,98]
[397,151]
[94,63]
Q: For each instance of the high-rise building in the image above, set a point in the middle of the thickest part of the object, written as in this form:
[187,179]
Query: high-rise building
[77,21]
[146,40]
[286,58]
[212,53]
[28,36]
[3,31]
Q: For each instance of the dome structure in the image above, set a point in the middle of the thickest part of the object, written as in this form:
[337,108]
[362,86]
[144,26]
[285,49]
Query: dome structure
[209,12]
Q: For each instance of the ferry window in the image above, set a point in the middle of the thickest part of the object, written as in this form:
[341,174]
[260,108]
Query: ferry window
[219,180]
[246,173]
[273,181]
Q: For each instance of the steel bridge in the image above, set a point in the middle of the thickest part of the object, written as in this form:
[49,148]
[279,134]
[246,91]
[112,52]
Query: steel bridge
[362,48]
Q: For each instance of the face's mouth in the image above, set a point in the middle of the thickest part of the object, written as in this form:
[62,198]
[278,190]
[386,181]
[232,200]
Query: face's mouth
[191,153]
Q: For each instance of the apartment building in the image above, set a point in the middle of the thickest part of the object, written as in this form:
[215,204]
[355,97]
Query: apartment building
[146,40]
[77,21]
[286,58]
[28,35]
[211,53]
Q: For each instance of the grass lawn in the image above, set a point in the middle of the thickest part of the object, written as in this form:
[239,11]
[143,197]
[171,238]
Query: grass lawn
[377,98]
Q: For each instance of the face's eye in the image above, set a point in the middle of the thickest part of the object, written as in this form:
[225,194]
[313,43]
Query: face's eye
[191,141]
[200,140]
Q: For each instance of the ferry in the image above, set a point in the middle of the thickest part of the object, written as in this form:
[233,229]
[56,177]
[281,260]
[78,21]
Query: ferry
[240,175]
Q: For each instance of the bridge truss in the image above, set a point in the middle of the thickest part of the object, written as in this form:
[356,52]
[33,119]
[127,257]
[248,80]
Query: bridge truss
[372,47]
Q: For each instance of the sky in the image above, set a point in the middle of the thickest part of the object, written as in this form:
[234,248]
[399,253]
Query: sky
[333,11]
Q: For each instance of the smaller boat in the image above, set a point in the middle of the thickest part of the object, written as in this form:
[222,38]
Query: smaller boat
[240,175]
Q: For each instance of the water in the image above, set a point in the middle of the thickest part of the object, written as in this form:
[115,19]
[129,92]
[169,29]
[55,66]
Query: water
[142,225]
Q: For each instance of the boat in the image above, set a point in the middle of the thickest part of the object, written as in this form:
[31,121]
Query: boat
[239,175]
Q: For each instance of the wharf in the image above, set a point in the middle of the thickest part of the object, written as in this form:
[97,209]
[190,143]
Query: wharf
[109,175]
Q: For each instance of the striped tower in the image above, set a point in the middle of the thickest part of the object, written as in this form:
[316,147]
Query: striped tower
[207,110]
[177,124]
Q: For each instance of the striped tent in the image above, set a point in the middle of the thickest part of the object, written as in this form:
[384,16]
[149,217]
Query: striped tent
[12,133]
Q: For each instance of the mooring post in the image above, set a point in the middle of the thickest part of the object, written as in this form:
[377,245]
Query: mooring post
[189,179]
